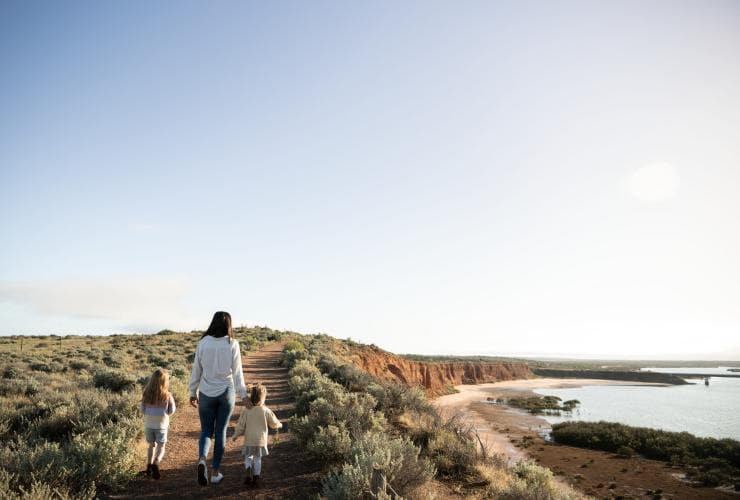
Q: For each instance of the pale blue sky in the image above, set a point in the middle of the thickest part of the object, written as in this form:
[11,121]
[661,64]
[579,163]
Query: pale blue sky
[499,177]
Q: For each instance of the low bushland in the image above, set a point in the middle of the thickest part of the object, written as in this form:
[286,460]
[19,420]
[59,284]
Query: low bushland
[69,414]
[352,423]
[713,461]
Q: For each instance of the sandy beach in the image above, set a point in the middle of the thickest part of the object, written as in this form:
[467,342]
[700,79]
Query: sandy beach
[498,425]
[516,435]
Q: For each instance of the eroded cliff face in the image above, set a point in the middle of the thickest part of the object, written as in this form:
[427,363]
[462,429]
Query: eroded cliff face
[435,378]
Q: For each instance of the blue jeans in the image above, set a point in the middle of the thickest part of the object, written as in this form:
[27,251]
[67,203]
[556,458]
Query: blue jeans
[214,413]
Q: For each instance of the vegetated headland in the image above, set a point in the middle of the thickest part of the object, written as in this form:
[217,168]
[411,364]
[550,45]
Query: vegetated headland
[69,422]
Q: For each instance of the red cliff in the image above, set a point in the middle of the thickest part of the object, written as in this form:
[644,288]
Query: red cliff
[435,378]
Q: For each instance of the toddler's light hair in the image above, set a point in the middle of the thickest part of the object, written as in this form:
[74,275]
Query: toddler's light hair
[259,394]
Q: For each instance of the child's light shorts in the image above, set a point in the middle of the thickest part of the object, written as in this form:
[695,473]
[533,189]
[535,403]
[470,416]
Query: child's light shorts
[155,435]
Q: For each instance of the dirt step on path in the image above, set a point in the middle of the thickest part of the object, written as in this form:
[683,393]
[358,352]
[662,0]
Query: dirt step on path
[286,472]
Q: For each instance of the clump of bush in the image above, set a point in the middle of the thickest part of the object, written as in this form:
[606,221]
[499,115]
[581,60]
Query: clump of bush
[293,351]
[714,459]
[625,452]
[112,361]
[78,365]
[330,443]
[548,405]
[525,480]
[11,372]
[453,450]
[113,380]
[398,458]
[40,367]
[179,391]
[99,458]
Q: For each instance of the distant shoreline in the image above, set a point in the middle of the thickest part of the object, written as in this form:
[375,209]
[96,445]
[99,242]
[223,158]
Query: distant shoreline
[469,396]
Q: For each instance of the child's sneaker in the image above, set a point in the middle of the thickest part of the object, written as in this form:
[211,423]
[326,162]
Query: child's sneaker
[256,481]
[248,477]
[217,479]
[202,476]
[155,471]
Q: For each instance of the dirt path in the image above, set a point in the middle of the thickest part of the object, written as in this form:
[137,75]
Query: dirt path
[286,473]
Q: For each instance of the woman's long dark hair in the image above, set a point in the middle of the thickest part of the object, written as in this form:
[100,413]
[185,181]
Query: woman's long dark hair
[220,326]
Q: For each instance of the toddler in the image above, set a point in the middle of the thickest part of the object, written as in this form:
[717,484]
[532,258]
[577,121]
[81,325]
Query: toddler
[253,424]
[157,405]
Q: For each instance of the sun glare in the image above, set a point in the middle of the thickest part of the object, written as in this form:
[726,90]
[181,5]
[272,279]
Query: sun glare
[655,182]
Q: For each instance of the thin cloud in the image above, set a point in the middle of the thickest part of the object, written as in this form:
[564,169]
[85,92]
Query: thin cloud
[140,303]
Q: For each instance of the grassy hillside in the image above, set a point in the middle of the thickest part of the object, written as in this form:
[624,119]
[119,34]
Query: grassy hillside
[352,422]
[69,406]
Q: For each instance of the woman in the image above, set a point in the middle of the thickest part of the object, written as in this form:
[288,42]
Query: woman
[217,373]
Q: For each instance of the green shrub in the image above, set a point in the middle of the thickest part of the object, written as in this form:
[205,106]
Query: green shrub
[719,459]
[330,444]
[290,358]
[179,391]
[13,387]
[177,371]
[78,365]
[454,454]
[294,345]
[397,457]
[158,360]
[10,489]
[249,344]
[653,443]
[354,409]
[40,367]
[525,481]
[113,381]
[395,399]
[56,367]
[112,360]
[625,451]
[32,388]
[104,457]
[11,372]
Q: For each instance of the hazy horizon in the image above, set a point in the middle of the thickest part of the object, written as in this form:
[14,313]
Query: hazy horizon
[430,177]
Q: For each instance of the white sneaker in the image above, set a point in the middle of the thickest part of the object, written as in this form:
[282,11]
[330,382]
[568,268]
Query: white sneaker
[202,475]
[216,479]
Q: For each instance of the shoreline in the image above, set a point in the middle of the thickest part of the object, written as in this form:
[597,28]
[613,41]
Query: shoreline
[515,434]
[470,402]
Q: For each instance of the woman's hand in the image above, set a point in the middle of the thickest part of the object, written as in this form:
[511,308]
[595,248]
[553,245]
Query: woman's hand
[194,401]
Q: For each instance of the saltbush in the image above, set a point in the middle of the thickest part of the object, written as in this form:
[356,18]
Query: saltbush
[453,454]
[525,481]
[112,360]
[329,444]
[625,451]
[113,380]
[179,391]
[79,365]
[39,366]
[397,457]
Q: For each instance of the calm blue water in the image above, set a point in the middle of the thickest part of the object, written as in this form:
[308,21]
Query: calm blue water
[710,411]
